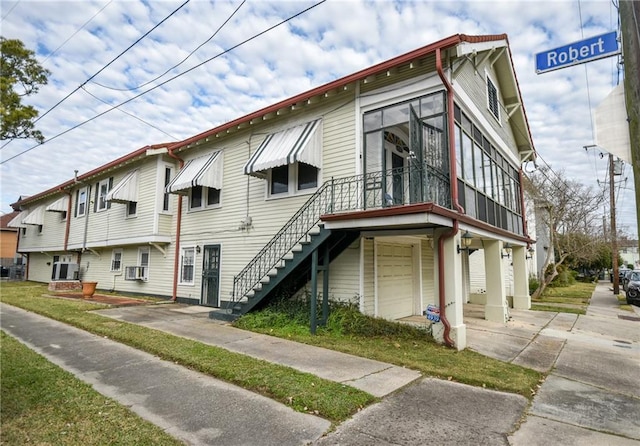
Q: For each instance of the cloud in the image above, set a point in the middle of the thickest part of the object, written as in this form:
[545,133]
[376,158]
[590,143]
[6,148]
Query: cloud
[331,40]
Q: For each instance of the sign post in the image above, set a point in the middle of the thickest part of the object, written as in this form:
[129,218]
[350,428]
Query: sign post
[593,48]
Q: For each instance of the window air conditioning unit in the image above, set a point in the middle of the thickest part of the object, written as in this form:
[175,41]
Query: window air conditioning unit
[64,271]
[135,273]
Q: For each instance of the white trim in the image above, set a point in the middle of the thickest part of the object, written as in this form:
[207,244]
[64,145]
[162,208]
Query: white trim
[180,266]
[401,92]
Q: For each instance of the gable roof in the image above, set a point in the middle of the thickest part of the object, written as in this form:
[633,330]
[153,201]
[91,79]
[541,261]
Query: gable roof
[481,43]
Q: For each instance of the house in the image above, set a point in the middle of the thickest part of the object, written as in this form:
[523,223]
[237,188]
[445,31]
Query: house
[375,187]
[10,261]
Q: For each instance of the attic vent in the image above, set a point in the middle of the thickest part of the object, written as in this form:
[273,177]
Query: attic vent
[492,99]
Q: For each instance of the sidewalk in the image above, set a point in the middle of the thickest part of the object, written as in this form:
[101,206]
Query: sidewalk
[192,407]
[592,395]
[375,377]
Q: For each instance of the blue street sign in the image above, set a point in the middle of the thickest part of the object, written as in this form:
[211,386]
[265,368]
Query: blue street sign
[593,48]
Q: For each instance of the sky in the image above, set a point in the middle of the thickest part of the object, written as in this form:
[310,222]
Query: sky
[203,63]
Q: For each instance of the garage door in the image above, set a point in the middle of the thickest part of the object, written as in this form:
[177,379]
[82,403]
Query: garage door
[395,280]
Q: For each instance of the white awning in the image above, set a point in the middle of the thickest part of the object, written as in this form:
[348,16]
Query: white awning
[302,143]
[60,205]
[126,190]
[203,171]
[16,222]
[35,217]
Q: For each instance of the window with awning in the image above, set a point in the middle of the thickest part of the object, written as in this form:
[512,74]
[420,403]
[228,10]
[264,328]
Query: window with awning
[299,144]
[60,205]
[126,191]
[205,171]
[35,217]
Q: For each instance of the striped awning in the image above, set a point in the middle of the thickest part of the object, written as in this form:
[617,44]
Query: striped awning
[203,171]
[302,143]
[126,190]
[35,217]
[16,222]
[60,205]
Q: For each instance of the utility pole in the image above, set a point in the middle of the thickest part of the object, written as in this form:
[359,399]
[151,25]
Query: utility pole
[614,235]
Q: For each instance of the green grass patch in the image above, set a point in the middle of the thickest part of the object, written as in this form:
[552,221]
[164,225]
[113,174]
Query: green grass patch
[43,404]
[352,332]
[302,391]
[572,298]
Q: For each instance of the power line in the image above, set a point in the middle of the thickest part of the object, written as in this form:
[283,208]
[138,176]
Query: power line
[179,63]
[77,31]
[130,114]
[10,10]
[103,68]
[167,81]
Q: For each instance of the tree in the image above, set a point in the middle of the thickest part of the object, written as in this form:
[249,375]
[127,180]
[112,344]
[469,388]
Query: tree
[20,75]
[570,214]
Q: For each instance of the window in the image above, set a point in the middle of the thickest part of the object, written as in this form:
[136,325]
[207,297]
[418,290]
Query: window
[307,176]
[279,180]
[132,208]
[201,197]
[102,189]
[290,178]
[143,261]
[167,180]
[116,260]
[63,216]
[39,229]
[492,99]
[81,202]
[187,262]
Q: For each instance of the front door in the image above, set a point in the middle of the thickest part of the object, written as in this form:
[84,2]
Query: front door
[211,276]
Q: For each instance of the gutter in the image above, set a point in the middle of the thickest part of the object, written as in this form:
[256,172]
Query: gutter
[174,293]
[453,181]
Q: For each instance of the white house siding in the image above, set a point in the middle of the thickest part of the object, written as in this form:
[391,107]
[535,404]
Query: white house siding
[473,82]
[428,279]
[244,195]
[477,277]
[368,285]
[52,235]
[39,271]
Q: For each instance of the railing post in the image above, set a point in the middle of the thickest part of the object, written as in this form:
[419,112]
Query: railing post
[333,197]
[314,290]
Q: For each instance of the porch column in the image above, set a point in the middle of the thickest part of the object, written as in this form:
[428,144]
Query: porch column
[496,308]
[454,292]
[521,298]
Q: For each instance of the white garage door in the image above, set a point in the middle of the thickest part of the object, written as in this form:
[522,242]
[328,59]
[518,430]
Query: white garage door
[395,280]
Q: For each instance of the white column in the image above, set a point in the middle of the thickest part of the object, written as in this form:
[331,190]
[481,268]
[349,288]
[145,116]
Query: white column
[496,308]
[454,295]
[521,298]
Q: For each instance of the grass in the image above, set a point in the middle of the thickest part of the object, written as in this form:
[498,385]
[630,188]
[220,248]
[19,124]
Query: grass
[301,391]
[351,332]
[43,404]
[573,298]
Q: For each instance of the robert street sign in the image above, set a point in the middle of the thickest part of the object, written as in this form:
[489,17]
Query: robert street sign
[598,47]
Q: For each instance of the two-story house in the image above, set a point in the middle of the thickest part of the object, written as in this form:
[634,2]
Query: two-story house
[375,187]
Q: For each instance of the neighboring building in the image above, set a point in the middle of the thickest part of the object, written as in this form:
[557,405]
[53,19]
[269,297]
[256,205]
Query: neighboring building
[628,250]
[374,188]
[8,241]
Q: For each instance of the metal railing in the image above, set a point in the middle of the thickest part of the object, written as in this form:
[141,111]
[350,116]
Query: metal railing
[395,187]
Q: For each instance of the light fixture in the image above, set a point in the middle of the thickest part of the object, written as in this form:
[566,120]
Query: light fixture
[507,248]
[466,241]
[198,249]
[530,251]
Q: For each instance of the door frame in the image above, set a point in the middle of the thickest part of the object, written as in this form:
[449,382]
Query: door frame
[204,282]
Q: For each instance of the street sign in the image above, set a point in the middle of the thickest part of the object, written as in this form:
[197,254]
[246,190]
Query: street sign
[593,48]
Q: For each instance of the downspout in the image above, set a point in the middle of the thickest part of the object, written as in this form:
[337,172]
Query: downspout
[68,223]
[453,182]
[174,293]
